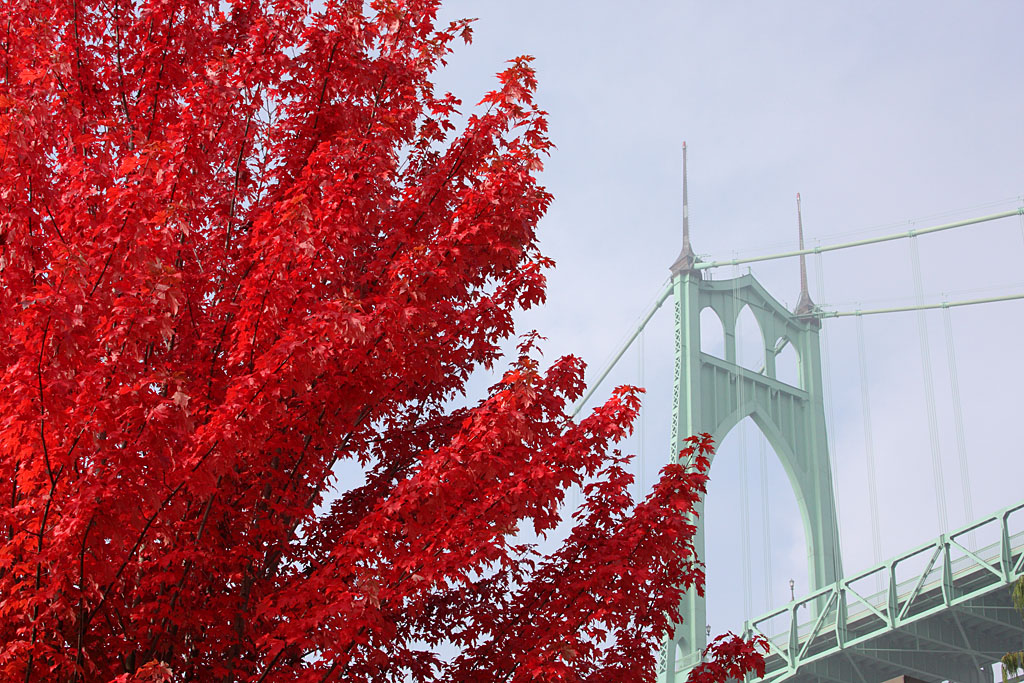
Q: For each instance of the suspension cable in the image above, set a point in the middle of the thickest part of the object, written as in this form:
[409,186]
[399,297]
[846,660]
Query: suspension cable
[748,598]
[859,243]
[929,391]
[818,249]
[869,449]
[766,532]
[643,416]
[748,575]
[920,307]
[831,417]
[655,305]
[958,420]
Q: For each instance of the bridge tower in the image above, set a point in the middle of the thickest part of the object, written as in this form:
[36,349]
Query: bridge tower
[713,395]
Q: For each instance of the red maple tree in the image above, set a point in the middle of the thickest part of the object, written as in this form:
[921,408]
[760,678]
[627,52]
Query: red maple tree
[242,243]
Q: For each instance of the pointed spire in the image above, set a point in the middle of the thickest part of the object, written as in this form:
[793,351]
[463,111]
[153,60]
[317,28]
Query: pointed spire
[686,258]
[804,304]
[686,206]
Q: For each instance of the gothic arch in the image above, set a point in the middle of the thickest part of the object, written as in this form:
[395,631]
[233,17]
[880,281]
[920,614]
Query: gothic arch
[712,341]
[803,489]
[713,394]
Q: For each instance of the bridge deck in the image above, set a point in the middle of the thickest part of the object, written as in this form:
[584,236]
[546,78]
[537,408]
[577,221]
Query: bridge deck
[941,611]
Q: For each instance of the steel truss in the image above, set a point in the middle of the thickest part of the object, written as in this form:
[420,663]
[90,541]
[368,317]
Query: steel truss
[944,614]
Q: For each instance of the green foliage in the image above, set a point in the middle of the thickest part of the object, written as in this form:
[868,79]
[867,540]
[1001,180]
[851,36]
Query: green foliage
[1017,595]
[1013,662]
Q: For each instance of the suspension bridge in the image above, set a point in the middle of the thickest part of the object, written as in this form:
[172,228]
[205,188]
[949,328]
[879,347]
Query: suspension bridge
[938,611]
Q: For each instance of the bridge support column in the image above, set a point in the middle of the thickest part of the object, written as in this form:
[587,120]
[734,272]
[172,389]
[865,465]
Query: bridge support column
[713,395]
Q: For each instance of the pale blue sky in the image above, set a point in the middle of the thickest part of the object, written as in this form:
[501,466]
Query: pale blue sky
[878,113]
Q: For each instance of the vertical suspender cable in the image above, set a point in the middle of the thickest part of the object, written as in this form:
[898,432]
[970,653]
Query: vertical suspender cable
[929,390]
[748,580]
[958,421]
[869,448]
[831,417]
[769,580]
[748,607]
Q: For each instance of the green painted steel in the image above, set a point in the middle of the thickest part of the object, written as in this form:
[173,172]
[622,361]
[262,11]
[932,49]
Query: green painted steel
[860,243]
[712,395]
[921,307]
[625,347]
[944,612]
[688,261]
[846,637]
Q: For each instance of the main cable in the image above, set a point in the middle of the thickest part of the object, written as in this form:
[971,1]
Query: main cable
[643,415]
[704,265]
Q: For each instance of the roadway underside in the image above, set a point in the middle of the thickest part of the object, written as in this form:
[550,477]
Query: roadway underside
[958,644]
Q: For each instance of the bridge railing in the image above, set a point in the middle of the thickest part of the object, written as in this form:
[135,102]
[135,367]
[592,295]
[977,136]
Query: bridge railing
[914,585]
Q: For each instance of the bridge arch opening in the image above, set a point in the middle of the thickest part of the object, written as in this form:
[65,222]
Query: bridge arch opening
[682,650]
[787,366]
[755,541]
[749,340]
[712,333]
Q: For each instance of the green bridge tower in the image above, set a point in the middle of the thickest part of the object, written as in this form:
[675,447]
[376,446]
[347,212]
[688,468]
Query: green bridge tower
[712,395]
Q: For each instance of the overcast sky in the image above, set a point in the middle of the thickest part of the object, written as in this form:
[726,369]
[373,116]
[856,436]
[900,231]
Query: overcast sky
[884,116]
